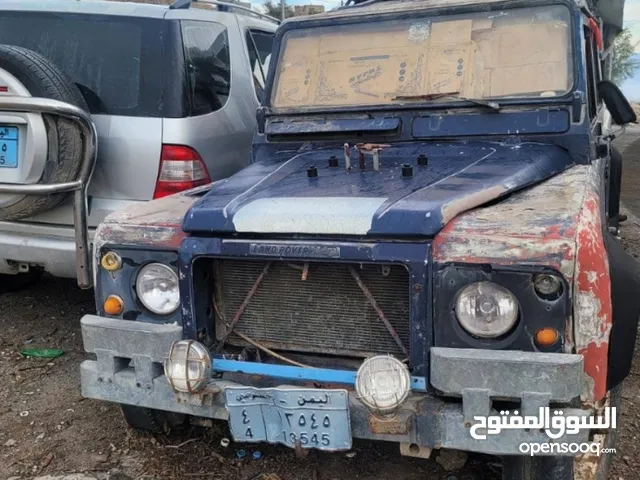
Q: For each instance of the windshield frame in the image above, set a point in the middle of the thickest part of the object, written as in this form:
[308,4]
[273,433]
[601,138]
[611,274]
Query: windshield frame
[355,18]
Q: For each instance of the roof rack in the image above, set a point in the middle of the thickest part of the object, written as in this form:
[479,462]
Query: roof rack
[223,7]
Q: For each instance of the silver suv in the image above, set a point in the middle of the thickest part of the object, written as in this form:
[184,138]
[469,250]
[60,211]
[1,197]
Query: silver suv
[172,92]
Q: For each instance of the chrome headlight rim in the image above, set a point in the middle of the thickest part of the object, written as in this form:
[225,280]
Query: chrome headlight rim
[480,336]
[172,275]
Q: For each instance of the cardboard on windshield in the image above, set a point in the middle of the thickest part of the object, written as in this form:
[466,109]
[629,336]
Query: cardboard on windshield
[529,58]
[334,66]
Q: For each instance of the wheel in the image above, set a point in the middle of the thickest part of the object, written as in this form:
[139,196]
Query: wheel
[156,421]
[27,72]
[13,283]
[563,468]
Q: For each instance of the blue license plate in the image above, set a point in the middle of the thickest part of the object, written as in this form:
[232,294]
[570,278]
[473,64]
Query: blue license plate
[306,417]
[8,147]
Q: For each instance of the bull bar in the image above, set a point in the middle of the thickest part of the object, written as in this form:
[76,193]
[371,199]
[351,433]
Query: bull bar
[78,186]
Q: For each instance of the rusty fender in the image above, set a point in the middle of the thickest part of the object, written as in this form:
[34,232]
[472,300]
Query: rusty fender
[557,224]
[156,224]
[592,296]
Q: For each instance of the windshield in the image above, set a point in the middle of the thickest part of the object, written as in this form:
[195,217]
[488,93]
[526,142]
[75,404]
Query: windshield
[496,54]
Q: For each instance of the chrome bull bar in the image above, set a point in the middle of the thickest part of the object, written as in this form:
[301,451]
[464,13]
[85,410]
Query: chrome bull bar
[78,186]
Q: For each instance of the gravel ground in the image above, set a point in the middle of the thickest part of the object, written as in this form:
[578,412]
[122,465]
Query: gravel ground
[47,429]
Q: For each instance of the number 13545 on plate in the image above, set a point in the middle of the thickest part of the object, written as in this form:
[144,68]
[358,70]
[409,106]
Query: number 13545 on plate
[306,417]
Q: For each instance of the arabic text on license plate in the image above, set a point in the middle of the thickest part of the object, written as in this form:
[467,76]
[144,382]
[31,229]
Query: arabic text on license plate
[313,418]
[8,147]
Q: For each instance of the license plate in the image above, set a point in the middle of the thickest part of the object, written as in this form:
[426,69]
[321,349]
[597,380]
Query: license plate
[8,147]
[308,417]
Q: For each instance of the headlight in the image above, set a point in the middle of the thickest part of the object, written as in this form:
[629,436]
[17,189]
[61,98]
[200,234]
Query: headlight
[486,310]
[188,367]
[383,383]
[157,288]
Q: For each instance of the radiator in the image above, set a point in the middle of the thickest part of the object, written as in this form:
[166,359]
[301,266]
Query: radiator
[325,313]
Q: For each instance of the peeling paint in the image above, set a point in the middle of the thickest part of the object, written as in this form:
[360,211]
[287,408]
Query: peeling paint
[592,300]
[157,224]
[592,276]
[455,207]
[454,246]
[541,227]
[587,308]
[557,224]
[167,211]
[589,466]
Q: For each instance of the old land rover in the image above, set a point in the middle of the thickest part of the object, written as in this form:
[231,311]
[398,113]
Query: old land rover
[423,250]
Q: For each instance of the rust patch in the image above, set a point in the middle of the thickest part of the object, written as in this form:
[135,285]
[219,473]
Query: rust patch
[370,147]
[555,223]
[585,466]
[476,248]
[157,224]
[592,299]
[595,366]
[459,205]
[547,211]
[399,424]
[137,235]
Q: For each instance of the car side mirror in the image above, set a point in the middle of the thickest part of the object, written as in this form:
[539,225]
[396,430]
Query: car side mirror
[621,110]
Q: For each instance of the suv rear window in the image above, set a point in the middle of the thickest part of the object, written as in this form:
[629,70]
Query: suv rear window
[116,61]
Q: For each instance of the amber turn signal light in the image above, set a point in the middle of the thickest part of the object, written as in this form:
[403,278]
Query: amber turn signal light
[113,305]
[111,261]
[546,337]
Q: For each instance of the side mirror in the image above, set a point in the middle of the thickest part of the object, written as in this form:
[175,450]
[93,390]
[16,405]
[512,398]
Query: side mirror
[621,110]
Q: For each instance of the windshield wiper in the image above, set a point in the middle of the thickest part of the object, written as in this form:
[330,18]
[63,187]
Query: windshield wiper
[436,96]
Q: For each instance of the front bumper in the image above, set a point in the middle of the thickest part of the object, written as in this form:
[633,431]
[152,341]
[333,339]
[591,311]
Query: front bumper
[128,370]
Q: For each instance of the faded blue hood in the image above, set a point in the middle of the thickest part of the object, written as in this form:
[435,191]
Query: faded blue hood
[278,197]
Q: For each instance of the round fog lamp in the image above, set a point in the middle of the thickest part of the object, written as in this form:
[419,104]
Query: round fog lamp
[188,366]
[486,310]
[157,288]
[383,383]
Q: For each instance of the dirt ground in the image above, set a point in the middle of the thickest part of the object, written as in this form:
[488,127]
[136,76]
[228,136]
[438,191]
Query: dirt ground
[47,429]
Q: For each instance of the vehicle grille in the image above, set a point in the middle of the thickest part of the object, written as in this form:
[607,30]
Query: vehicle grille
[326,313]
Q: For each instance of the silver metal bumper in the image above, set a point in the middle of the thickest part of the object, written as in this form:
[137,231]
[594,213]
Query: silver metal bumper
[128,370]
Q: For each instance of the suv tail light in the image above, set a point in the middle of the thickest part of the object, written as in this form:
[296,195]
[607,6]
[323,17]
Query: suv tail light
[181,168]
